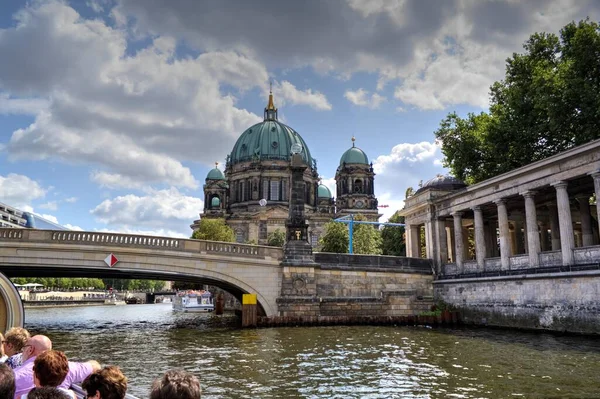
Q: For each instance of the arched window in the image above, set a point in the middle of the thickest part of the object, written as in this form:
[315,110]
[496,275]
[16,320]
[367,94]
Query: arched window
[215,202]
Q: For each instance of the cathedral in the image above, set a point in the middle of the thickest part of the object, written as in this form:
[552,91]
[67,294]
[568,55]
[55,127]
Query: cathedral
[252,193]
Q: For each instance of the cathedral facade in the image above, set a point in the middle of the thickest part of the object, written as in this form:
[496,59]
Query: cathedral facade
[252,194]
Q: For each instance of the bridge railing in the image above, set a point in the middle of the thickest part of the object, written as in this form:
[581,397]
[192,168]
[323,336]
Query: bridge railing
[141,241]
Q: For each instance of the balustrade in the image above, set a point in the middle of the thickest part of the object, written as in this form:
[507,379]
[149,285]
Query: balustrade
[131,240]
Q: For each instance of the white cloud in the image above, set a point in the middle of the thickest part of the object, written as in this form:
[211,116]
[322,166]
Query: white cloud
[165,210]
[405,166]
[135,116]
[147,232]
[290,94]
[21,106]
[73,227]
[51,205]
[361,98]
[19,190]
[408,152]
[71,200]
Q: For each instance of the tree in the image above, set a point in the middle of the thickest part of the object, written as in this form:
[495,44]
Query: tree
[393,241]
[276,238]
[548,102]
[366,239]
[334,238]
[214,230]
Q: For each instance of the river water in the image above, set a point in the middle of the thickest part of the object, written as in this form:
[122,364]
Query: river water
[323,362]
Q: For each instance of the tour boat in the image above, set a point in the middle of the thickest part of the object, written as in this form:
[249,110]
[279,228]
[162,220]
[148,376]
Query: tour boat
[193,301]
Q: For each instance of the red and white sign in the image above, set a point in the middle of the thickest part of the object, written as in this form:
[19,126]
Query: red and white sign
[111,260]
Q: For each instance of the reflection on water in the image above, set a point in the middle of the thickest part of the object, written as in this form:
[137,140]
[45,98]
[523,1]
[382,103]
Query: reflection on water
[323,362]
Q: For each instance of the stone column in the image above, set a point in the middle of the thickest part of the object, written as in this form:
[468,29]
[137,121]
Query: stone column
[596,177]
[586,221]
[415,241]
[479,238]
[533,237]
[450,243]
[543,236]
[554,227]
[458,240]
[504,233]
[565,223]
[407,242]
[441,244]
[429,240]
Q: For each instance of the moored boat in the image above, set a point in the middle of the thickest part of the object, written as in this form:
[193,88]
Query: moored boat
[193,301]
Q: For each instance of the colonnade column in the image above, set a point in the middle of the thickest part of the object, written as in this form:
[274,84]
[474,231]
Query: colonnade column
[565,223]
[450,242]
[429,253]
[458,240]
[596,177]
[441,243]
[533,238]
[587,237]
[479,238]
[554,229]
[504,233]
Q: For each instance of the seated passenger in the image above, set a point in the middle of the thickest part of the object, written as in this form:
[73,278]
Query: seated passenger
[47,393]
[106,383]
[37,345]
[49,370]
[13,343]
[176,384]
[7,382]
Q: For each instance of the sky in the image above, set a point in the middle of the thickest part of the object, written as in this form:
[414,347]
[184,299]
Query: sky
[112,112]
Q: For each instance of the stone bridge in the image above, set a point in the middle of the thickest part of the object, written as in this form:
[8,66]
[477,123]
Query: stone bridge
[237,268]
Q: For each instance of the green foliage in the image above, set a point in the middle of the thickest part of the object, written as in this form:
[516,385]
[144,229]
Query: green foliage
[214,230]
[548,102]
[366,239]
[276,238]
[334,238]
[134,284]
[61,283]
[393,242]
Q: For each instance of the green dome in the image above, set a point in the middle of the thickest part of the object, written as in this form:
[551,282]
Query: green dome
[268,140]
[323,191]
[354,155]
[215,174]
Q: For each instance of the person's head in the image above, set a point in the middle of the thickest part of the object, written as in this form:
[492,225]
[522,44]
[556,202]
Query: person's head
[2,352]
[176,384]
[106,383]
[50,369]
[47,393]
[35,346]
[14,340]
[7,382]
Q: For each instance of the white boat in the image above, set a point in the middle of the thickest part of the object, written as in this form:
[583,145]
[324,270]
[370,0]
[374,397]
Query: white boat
[193,301]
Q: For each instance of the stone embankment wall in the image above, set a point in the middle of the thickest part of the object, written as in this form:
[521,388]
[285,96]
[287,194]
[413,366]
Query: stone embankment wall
[349,288]
[563,301]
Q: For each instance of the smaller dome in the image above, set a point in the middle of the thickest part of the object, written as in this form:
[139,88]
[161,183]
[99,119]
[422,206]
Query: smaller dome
[215,174]
[323,191]
[441,182]
[354,155]
[215,202]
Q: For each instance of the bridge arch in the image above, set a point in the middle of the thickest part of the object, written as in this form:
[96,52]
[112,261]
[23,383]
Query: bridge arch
[236,268]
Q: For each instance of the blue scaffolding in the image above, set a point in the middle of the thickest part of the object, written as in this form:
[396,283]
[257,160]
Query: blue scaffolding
[349,220]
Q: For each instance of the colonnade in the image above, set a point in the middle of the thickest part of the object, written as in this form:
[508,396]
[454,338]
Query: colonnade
[532,222]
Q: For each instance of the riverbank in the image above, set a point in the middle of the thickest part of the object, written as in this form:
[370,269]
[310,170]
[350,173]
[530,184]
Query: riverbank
[62,303]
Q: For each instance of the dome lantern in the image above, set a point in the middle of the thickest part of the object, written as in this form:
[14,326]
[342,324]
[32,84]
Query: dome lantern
[270,110]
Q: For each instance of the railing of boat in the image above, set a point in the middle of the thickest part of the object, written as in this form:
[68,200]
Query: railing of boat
[81,394]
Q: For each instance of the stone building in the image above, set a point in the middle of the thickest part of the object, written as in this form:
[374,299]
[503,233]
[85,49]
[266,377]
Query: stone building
[541,215]
[252,193]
